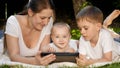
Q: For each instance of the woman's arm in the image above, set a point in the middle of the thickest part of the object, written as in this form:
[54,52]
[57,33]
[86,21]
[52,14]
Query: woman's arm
[45,42]
[14,54]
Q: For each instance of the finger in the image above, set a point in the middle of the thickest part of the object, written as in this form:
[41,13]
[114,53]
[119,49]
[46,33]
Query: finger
[47,59]
[39,54]
[81,57]
[52,49]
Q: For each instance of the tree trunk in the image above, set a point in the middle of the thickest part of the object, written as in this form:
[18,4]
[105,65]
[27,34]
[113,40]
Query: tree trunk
[77,4]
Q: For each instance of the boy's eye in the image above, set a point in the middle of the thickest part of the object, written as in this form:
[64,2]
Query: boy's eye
[42,17]
[49,17]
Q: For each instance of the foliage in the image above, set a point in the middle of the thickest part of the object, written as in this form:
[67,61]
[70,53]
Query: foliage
[75,34]
[117,30]
[84,5]
[116,3]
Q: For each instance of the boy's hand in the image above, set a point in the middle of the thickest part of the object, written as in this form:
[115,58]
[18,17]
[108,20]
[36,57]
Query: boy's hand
[82,61]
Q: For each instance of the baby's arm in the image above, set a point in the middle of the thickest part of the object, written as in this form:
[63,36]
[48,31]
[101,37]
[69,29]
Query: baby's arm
[47,48]
[71,50]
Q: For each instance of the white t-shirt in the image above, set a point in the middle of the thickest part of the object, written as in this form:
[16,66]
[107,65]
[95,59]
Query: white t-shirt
[13,29]
[105,44]
[72,44]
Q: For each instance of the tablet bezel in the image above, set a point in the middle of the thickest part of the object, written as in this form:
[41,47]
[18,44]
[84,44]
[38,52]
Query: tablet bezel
[63,56]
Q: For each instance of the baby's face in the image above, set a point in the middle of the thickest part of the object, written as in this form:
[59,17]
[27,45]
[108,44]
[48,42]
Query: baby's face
[61,37]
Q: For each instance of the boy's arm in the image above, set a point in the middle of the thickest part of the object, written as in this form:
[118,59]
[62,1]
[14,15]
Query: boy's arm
[106,58]
[83,61]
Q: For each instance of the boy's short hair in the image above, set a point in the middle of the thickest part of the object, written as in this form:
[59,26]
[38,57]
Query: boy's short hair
[90,13]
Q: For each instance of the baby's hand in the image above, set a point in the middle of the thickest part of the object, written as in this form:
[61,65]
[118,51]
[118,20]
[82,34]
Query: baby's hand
[51,49]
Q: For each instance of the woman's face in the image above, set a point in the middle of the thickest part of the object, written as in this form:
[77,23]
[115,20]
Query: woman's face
[41,19]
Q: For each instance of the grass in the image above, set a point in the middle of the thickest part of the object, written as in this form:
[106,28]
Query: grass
[11,66]
[113,65]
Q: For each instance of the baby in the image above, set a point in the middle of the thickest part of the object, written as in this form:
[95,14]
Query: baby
[61,38]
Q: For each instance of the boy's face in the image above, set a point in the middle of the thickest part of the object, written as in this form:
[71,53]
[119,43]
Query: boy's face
[90,31]
[60,37]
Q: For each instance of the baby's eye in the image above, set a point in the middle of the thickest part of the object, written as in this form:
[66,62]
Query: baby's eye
[86,28]
[56,36]
[64,36]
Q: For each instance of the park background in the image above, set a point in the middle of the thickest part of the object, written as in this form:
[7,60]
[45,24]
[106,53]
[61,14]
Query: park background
[65,10]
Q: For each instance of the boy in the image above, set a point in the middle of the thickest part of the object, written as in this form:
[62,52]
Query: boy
[96,43]
[60,35]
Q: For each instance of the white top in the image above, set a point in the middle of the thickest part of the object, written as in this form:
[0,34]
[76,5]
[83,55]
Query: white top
[72,44]
[13,29]
[105,44]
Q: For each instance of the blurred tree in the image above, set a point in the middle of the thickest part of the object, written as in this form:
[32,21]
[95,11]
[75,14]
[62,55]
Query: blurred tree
[77,4]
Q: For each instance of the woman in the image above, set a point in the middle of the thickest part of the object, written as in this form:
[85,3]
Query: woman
[27,32]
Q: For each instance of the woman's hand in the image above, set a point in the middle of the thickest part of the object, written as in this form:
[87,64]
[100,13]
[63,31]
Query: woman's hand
[44,60]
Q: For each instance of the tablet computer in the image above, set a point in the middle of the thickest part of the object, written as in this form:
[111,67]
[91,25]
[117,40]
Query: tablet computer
[63,56]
